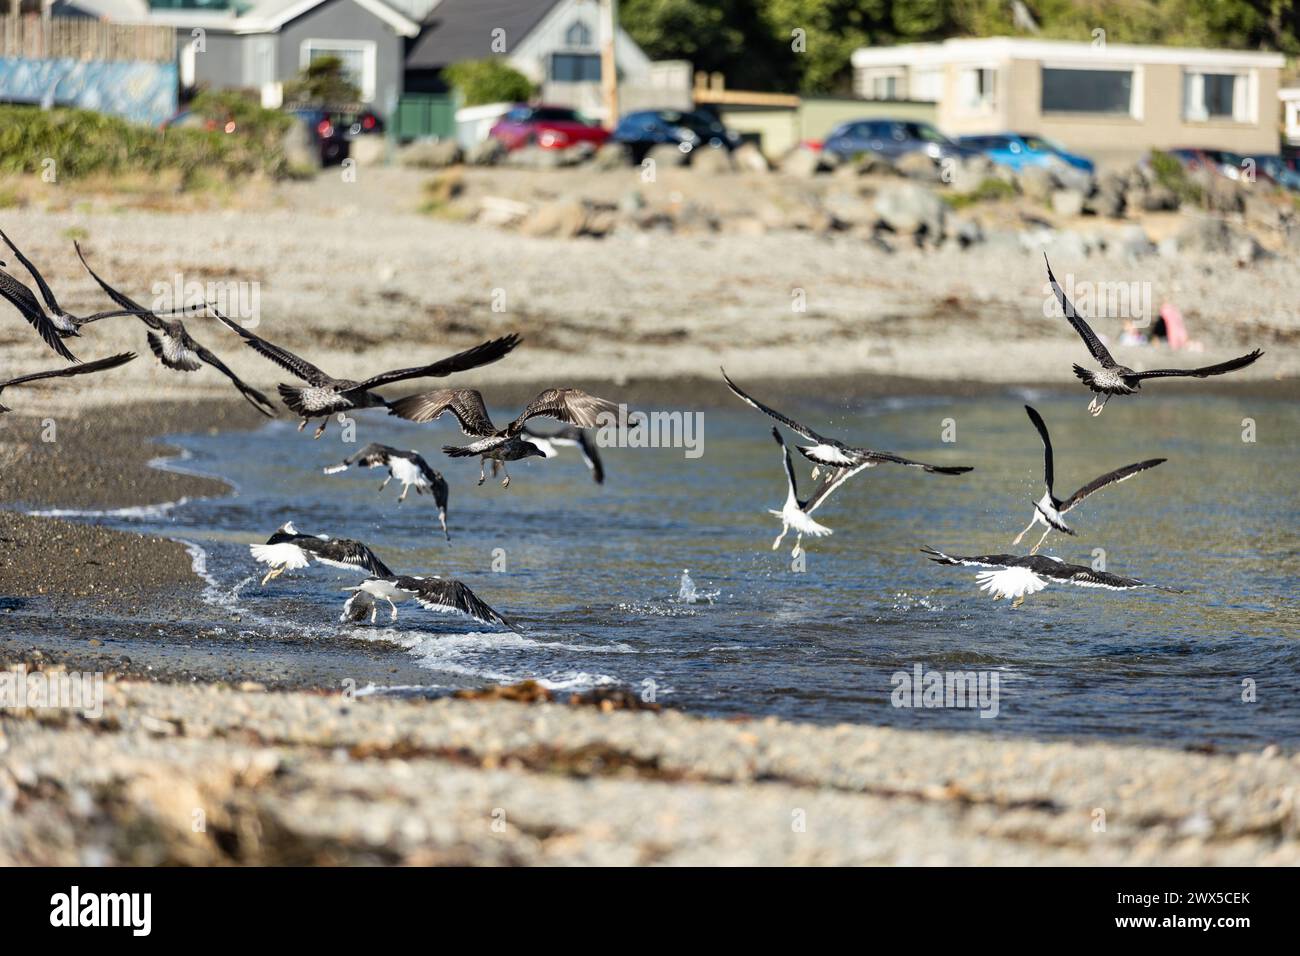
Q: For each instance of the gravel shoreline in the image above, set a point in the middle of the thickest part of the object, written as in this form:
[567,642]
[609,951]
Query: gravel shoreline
[307,776]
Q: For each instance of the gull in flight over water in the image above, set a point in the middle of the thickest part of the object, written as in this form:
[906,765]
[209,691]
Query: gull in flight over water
[431,592]
[1116,379]
[569,405]
[408,467]
[1015,576]
[288,549]
[325,395]
[1050,510]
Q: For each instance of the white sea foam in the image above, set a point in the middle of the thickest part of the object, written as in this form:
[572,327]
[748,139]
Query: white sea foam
[139,512]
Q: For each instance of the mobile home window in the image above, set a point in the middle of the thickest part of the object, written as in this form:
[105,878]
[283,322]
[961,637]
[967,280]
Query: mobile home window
[575,67]
[1087,91]
[978,86]
[1214,96]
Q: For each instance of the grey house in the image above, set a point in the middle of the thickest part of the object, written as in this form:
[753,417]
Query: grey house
[222,44]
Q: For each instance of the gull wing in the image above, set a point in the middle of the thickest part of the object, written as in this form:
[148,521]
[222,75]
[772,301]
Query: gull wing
[1095,346]
[481,354]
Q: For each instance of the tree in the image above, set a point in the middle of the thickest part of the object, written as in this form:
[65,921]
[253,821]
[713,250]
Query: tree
[322,82]
[491,80]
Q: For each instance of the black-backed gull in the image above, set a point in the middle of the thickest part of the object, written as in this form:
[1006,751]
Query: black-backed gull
[431,592]
[175,348]
[1049,510]
[112,361]
[796,513]
[325,395]
[408,467]
[1015,576]
[289,549]
[831,453]
[567,437]
[1116,379]
[569,405]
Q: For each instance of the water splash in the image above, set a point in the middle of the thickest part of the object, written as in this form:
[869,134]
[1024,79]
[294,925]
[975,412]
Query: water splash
[689,594]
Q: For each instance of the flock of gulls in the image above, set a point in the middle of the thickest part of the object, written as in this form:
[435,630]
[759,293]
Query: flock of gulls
[322,396]
[1007,576]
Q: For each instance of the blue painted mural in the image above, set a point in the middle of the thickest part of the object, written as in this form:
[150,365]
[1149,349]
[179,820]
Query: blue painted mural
[144,92]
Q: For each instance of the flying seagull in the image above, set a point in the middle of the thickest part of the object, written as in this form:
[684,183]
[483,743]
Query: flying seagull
[831,453]
[567,437]
[569,405]
[288,549]
[432,593]
[796,513]
[1050,510]
[175,347]
[1116,379]
[326,395]
[1012,576]
[98,366]
[408,467]
[64,324]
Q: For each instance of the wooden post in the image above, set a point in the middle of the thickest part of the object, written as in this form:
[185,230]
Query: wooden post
[608,60]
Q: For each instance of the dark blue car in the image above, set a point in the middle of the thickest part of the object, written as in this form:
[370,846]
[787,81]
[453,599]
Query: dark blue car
[1018,150]
[891,138]
[687,130]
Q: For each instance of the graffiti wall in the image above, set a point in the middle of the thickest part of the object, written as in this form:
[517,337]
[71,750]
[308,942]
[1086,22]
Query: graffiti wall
[144,92]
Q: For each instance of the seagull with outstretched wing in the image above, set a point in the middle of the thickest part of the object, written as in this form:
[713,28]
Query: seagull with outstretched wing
[431,592]
[63,323]
[1015,576]
[569,405]
[1050,510]
[67,372]
[1116,379]
[796,512]
[408,467]
[289,549]
[325,395]
[175,348]
[832,453]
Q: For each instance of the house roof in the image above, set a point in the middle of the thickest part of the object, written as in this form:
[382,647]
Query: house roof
[961,50]
[260,16]
[457,30]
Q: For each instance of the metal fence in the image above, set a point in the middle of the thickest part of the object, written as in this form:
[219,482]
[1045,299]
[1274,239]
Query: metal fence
[81,38]
[425,115]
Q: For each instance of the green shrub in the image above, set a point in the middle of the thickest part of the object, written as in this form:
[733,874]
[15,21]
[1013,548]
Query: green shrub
[488,81]
[990,189]
[1171,174]
[83,143]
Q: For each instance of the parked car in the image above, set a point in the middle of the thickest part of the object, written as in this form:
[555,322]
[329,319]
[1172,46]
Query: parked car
[689,130]
[1018,150]
[329,137]
[1268,169]
[892,138]
[550,127]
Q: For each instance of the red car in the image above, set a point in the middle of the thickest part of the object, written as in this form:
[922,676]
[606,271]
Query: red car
[550,127]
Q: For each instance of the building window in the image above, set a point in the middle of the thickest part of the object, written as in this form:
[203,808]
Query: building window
[357,56]
[927,85]
[575,67]
[578,35]
[1087,91]
[978,88]
[1208,96]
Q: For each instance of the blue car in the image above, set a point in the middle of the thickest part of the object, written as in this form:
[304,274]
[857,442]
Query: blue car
[1016,151]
